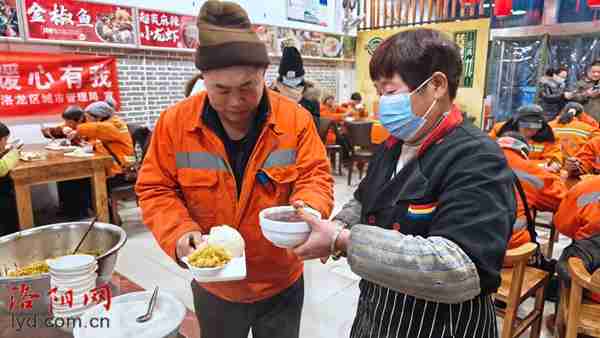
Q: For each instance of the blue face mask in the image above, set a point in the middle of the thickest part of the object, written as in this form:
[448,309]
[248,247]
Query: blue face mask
[397,116]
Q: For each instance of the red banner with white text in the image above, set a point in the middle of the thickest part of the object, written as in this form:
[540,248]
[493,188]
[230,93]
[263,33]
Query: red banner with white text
[166,30]
[79,21]
[35,84]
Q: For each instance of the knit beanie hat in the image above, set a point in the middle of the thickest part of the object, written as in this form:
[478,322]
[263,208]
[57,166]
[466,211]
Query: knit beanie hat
[226,38]
[291,67]
[100,110]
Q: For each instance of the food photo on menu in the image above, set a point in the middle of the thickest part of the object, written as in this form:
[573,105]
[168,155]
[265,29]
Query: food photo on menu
[9,19]
[116,27]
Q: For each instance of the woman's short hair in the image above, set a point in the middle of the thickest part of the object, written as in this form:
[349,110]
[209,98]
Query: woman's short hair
[415,55]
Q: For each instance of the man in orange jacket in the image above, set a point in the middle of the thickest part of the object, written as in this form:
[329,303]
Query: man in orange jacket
[586,161]
[529,122]
[578,216]
[570,132]
[222,156]
[543,190]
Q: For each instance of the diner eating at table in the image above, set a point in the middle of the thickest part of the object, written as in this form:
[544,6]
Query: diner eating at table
[105,133]
[9,158]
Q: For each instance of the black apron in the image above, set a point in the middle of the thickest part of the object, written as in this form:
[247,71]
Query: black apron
[406,204]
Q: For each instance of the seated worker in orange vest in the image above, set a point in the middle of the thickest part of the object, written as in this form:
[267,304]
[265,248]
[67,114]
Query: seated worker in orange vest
[109,136]
[355,107]
[544,191]
[9,158]
[529,122]
[222,156]
[571,133]
[586,161]
[329,110]
[578,216]
[581,115]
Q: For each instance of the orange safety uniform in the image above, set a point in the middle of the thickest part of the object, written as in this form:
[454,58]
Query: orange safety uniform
[578,216]
[544,192]
[546,151]
[589,156]
[586,118]
[114,134]
[573,135]
[496,129]
[186,184]
[336,115]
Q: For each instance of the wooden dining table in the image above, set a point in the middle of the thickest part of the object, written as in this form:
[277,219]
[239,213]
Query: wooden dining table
[57,168]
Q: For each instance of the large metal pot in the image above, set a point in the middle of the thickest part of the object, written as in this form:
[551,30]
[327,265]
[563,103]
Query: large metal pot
[37,244]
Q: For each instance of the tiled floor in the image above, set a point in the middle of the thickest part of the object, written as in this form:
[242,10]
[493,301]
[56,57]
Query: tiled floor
[331,290]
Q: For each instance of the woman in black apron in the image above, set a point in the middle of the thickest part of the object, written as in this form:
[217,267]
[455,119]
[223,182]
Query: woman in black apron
[428,227]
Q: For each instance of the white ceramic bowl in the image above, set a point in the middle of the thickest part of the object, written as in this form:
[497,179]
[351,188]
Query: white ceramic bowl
[74,274]
[203,272]
[73,281]
[166,319]
[285,234]
[71,263]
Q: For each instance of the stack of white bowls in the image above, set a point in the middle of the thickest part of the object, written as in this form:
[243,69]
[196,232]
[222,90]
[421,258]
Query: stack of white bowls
[76,273]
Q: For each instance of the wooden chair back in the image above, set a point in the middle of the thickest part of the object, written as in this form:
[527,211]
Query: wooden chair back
[359,134]
[582,317]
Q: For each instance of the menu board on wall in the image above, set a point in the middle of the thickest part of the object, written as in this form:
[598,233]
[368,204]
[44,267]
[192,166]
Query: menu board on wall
[312,44]
[69,20]
[165,30]
[9,19]
[35,84]
[310,11]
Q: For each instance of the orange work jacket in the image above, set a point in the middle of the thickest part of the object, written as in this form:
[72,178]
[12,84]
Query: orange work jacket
[573,135]
[546,151]
[186,184]
[589,156]
[586,118]
[579,214]
[544,192]
[495,129]
[113,134]
[338,114]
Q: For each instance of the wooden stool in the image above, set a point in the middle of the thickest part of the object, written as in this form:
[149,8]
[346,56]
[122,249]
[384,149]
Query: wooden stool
[518,284]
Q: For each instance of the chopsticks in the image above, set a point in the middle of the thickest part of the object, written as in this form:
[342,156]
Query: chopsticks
[85,235]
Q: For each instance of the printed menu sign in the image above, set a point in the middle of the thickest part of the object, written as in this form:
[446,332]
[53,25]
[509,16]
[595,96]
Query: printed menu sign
[160,29]
[79,21]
